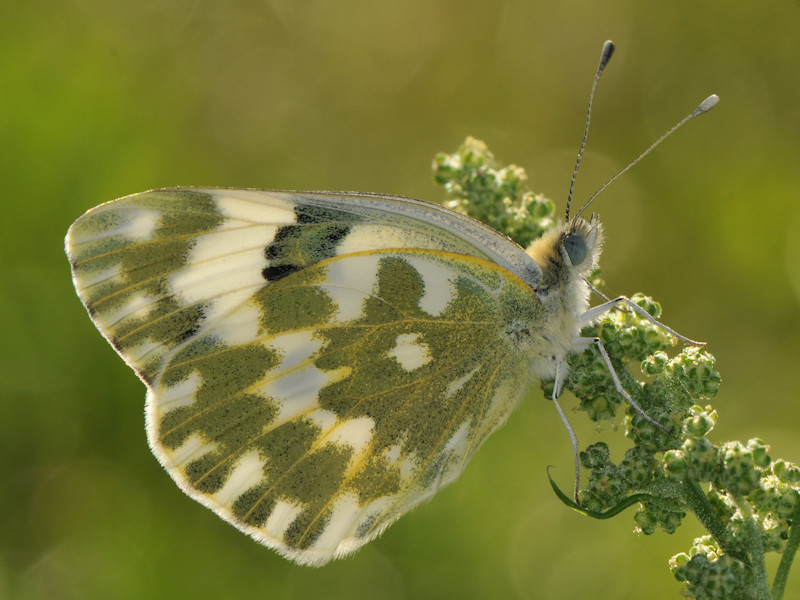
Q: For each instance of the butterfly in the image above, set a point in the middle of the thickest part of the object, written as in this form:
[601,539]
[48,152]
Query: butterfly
[317,363]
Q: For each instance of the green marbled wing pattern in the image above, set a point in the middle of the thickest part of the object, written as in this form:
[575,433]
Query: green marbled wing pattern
[155,268]
[356,398]
[307,395]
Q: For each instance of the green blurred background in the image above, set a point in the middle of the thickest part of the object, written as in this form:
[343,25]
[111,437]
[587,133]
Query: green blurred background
[102,98]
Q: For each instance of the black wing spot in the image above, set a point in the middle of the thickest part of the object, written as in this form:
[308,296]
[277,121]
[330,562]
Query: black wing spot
[279,271]
[187,334]
[314,236]
[282,236]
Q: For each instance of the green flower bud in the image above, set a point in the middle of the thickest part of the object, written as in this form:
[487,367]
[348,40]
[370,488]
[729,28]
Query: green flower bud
[703,459]
[760,452]
[652,307]
[773,533]
[677,564]
[647,435]
[694,369]
[655,364]
[646,522]
[788,503]
[709,574]
[787,472]
[589,499]
[637,467]
[707,546]
[595,456]
[739,475]
[675,465]
[667,517]
[671,520]
[608,485]
[766,498]
[599,408]
[694,570]
[700,422]
[722,504]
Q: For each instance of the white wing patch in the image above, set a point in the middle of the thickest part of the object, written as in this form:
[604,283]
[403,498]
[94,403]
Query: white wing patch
[369,513]
[254,206]
[410,351]
[298,390]
[394,454]
[219,277]
[139,224]
[295,348]
[248,472]
[345,512]
[355,433]
[438,285]
[241,326]
[456,444]
[457,384]
[349,281]
[193,447]
[369,237]
[324,419]
[455,449]
[282,516]
[138,306]
[87,279]
[183,393]
[147,348]
[142,225]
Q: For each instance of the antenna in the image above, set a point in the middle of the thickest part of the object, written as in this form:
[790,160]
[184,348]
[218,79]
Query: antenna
[705,106]
[605,56]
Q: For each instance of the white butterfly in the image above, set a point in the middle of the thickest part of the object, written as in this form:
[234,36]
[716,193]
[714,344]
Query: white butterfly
[318,364]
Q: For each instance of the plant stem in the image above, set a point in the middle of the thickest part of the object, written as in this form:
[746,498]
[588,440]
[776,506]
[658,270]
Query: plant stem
[756,547]
[792,544]
[696,500]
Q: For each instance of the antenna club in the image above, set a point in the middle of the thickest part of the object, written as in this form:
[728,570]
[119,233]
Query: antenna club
[608,51]
[706,105]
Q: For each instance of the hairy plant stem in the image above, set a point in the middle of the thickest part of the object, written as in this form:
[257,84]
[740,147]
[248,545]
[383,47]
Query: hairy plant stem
[792,544]
[755,544]
[697,501]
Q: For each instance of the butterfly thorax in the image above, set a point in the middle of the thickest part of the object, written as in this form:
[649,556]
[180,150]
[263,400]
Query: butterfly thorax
[566,255]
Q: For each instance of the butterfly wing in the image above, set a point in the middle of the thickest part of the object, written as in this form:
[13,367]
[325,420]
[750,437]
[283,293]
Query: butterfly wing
[316,364]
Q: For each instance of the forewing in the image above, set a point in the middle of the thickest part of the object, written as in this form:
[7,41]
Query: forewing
[155,268]
[307,391]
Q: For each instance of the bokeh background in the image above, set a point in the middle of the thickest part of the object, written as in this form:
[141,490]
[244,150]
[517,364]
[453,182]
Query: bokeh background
[102,98]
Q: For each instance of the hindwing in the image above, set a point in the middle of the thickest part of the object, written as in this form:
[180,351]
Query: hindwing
[316,364]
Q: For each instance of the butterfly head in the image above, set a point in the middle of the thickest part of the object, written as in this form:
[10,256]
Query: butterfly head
[568,251]
[581,242]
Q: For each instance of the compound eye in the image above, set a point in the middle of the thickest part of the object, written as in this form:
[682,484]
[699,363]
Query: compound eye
[576,248]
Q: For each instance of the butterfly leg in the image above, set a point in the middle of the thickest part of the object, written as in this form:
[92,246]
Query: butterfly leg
[590,315]
[593,313]
[582,343]
[558,387]
[618,384]
[574,439]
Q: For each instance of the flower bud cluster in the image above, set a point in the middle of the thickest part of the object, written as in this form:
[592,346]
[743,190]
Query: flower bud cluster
[478,186]
[748,502]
